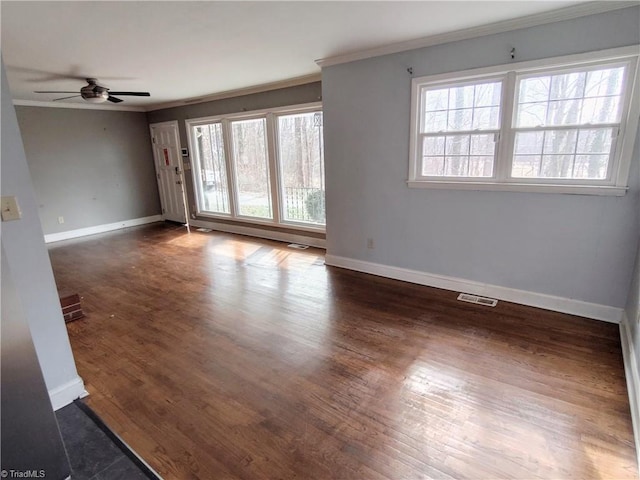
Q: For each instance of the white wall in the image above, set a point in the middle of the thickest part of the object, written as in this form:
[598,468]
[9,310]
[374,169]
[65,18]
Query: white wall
[23,243]
[572,246]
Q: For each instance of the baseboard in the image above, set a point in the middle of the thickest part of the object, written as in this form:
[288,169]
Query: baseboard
[67,393]
[261,233]
[83,232]
[629,356]
[548,302]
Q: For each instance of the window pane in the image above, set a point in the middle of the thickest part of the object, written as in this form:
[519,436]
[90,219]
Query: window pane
[462,155]
[486,118]
[461,97]
[595,140]
[556,166]
[462,108]
[529,142]
[600,110]
[436,100]
[574,98]
[591,166]
[560,141]
[483,145]
[532,114]
[569,153]
[534,89]
[481,166]
[456,166]
[605,82]
[213,194]
[568,85]
[563,112]
[432,166]
[252,172]
[526,166]
[435,121]
[457,144]
[460,119]
[433,146]
[487,95]
[300,150]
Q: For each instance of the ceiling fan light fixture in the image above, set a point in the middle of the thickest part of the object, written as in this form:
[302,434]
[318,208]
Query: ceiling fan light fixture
[96,97]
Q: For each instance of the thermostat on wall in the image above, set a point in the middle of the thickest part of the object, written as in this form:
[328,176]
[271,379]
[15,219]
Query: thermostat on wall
[185,152]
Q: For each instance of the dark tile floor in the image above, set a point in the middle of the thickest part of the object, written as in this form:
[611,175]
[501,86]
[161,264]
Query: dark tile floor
[92,454]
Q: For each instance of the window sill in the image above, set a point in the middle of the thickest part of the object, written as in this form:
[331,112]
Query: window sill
[607,190]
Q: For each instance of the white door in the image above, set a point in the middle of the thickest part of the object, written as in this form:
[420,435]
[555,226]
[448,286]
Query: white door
[166,153]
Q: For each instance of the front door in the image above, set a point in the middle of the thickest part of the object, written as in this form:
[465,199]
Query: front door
[166,153]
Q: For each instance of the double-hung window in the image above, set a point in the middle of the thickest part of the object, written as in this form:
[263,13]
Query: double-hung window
[561,125]
[261,167]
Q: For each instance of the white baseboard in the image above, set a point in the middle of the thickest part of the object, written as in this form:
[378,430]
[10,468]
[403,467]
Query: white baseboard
[630,358]
[261,233]
[67,393]
[83,232]
[523,297]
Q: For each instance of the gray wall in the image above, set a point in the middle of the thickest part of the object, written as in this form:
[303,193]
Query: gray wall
[633,303]
[92,167]
[633,309]
[574,246]
[23,243]
[307,93]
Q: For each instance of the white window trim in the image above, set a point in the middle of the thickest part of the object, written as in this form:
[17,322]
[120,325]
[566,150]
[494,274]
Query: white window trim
[501,181]
[270,114]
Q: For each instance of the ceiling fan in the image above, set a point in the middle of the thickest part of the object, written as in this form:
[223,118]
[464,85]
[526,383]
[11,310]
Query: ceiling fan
[95,93]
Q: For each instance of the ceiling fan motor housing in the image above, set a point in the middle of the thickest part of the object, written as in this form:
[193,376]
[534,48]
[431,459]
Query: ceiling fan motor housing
[94,93]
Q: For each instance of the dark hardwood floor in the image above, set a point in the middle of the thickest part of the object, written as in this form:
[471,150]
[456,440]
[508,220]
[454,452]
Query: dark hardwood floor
[224,357]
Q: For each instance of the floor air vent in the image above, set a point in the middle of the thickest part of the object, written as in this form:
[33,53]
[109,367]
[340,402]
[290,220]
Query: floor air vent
[466,297]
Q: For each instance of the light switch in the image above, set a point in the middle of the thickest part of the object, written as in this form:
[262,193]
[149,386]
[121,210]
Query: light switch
[10,209]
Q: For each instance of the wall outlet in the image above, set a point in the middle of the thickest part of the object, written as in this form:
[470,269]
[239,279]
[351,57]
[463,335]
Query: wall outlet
[370,244]
[10,209]
[60,220]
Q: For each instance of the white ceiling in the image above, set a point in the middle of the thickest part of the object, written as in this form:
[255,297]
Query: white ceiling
[182,50]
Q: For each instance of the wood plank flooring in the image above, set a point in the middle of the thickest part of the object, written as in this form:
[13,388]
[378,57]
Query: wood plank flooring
[225,357]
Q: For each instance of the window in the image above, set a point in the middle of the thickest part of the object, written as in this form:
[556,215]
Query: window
[209,155]
[302,167]
[563,125]
[253,186]
[460,125]
[262,167]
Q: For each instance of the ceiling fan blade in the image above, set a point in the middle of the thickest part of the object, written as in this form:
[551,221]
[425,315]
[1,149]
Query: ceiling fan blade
[114,99]
[64,98]
[52,91]
[134,94]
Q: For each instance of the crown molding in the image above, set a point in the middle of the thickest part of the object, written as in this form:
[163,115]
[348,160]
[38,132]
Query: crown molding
[292,82]
[78,106]
[566,13]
